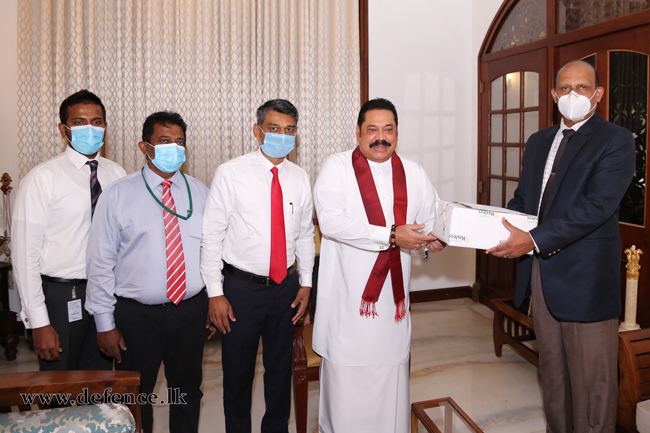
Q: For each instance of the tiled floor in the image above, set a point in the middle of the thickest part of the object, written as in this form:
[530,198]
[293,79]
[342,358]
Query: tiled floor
[452,355]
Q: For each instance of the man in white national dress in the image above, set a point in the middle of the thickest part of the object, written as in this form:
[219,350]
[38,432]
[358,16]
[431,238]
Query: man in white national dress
[371,206]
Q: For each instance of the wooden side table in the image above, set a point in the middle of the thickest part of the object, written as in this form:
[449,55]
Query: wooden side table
[513,326]
[8,324]
[448,416]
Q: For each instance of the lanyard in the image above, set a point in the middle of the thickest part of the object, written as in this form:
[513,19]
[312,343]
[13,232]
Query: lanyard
[189,211]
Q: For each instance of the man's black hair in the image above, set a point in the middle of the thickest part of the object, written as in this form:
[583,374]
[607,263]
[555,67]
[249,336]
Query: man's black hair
[280,105]
[376,104]
[81,97]
[161,118]
[576,61]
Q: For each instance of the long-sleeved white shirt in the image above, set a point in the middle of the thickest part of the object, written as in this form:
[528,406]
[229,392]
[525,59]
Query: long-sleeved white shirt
[50,225]
[348,253]
[237,219]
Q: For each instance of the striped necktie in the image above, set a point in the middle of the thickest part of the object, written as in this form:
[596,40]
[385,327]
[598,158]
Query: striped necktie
[175,256]
[95,187]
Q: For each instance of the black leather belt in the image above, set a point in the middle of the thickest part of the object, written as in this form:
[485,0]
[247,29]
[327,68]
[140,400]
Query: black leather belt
[73,282]
[247,276]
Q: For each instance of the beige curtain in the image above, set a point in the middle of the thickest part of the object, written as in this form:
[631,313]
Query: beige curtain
[213,61]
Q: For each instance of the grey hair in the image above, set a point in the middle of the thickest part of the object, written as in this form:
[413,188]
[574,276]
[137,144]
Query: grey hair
[280,105]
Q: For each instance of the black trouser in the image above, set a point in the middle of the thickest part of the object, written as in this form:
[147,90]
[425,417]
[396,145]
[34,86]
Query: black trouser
[171,334]
[78,339]
[263,311]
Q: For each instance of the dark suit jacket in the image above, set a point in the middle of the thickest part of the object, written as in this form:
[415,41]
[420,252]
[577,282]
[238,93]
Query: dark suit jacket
[578,238]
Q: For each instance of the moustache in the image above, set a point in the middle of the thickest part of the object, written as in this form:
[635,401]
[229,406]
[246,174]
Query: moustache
[380,143]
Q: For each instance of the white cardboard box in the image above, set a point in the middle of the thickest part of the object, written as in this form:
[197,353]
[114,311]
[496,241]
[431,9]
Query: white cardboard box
[475,225]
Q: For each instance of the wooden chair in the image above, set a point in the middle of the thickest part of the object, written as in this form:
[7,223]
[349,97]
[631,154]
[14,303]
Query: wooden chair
[306,368]
[306,363]
[68,382]
[634,375]
[513,326]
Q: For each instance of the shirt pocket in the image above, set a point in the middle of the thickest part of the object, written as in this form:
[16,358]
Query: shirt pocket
[293,216]
[195,225]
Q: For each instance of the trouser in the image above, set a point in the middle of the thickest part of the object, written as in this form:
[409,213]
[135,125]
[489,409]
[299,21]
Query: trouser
[265,311]
[171,334]
[78,339]
[578,368]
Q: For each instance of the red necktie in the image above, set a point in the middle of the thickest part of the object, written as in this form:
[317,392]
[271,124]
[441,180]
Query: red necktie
[278,269]
[175,256]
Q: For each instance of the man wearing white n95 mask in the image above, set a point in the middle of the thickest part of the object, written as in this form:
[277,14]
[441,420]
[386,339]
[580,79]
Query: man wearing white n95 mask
[573,178]
[258,221]
[51,219]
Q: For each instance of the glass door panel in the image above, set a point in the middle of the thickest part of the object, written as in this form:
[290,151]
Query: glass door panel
[512,90]
[512,161]
[512,135]
[577,14]
[514,117]
[628,107]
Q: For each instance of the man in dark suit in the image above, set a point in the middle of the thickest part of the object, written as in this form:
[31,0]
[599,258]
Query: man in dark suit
[574,177]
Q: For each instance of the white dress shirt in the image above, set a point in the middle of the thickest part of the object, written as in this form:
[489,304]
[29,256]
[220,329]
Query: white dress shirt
[51,221]
[237,219]
[348,254]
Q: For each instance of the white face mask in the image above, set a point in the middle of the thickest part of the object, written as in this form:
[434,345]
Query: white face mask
[574,106]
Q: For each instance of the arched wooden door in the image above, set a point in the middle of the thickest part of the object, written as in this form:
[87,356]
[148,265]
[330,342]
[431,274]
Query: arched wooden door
[515,108]
[613,35]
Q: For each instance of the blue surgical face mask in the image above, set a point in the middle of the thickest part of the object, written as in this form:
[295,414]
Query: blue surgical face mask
[169,156]
[277,145]
[87,139]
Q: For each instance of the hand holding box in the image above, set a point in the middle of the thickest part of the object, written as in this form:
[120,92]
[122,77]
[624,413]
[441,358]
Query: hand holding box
[475,225]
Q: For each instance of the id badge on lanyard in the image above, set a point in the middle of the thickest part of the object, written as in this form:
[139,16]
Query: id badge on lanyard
[74,307]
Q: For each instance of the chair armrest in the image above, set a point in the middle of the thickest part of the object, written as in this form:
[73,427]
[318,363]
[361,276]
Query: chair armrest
[70,382]
[299,352]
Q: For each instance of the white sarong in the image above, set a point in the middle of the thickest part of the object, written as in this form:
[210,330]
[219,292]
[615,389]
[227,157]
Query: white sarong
[372,399]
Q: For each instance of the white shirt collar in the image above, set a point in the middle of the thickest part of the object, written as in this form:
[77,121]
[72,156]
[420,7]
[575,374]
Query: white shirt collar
[154,180]
[576,126]
[268,165]
[380,164]
[77,159]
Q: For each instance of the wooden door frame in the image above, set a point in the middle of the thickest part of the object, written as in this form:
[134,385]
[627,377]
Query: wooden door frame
[363,50]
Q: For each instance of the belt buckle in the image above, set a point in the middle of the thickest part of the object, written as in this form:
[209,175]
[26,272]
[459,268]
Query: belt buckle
[268,281]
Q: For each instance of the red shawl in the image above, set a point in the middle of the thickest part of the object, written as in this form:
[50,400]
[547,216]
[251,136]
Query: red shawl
[386,260]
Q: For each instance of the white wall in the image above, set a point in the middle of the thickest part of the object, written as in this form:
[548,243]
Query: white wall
[423,57]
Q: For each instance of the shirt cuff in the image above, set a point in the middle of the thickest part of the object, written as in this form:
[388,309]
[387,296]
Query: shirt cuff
[381,235]
[35,317]
[105,322]
[533,239]
[306,279]
[214,289]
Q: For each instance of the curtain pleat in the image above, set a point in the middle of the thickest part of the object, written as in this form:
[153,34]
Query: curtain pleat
[212,61]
